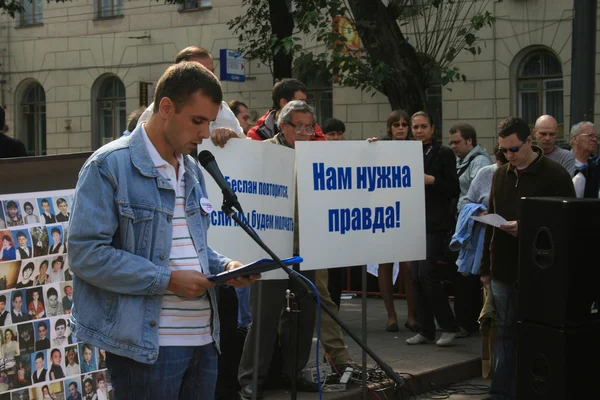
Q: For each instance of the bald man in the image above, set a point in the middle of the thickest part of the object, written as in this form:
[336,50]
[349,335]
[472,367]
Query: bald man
[545,131]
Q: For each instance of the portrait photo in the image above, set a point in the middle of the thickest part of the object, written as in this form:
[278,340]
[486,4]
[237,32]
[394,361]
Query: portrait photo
[26,338]
[42,334]
[39,366]
[53,301]
[66,291]
[57,239]
[73,388]
[5,318]
[35,303]
[2,218]
[72,360]
[8,250]
[24,248]
[9,273]
[61,332]
[103,385]
[63,211]
[26,276]
[39,240]
[56,271]
[46,208]
[12,213]
[23,364]
[10,343]
[42,267]
[88,358]
[48,391]
[18,307]
[57,370]
[31,212]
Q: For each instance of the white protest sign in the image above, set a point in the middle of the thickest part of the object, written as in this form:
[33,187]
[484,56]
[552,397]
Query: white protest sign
[262,176]
[360,203]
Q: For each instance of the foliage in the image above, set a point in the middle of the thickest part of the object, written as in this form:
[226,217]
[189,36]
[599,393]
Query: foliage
[437,29]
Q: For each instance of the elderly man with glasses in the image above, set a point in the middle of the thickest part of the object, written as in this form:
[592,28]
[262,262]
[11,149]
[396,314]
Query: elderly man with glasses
[584,141]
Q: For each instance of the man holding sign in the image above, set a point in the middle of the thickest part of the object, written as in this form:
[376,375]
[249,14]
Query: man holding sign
[296,123]
[139,252]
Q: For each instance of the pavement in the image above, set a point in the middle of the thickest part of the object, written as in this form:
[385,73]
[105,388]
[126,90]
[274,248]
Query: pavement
[425,367]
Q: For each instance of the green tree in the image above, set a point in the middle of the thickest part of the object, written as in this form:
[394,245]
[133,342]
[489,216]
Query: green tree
[406,46]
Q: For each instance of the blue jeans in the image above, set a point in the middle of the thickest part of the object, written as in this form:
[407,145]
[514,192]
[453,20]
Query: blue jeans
[180,373]
[504,381]
[244,317]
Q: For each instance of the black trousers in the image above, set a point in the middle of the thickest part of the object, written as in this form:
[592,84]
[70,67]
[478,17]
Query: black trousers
[432,300]
[468,301]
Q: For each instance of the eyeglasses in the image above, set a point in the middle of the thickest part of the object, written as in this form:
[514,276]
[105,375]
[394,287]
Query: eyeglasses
[334,133]
[304,130]
[511,149]
[590,135]
[398,124]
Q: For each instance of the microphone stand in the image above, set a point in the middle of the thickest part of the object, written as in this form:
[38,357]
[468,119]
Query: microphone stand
[398,380]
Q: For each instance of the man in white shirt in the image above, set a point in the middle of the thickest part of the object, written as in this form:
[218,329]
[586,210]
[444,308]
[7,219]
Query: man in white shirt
[226,123]
[584,141]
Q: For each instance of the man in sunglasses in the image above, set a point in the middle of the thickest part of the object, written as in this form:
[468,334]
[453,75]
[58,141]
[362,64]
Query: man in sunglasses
[527,173]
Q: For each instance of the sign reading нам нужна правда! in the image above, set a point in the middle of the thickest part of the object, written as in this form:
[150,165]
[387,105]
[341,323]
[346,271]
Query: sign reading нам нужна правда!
[262,177]
[360,202]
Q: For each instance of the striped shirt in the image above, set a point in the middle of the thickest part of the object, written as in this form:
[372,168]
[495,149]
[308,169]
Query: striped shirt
[183,322]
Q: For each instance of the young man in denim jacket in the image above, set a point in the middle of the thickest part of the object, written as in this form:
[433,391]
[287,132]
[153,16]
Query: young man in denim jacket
[139,252]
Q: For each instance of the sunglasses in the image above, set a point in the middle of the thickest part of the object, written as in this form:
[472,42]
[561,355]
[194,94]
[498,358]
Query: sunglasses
[511,149]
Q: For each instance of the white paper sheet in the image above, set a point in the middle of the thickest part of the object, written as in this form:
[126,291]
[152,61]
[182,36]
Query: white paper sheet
[491,219]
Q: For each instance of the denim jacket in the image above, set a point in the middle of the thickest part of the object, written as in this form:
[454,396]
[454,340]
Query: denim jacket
[119,245]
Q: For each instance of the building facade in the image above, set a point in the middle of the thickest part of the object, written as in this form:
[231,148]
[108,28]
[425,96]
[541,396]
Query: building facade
[71,72]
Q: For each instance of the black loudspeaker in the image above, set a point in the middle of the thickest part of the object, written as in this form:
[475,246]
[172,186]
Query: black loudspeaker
[559,265]
[557,364]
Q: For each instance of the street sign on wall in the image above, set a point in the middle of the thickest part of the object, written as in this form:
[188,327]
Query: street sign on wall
[232,66]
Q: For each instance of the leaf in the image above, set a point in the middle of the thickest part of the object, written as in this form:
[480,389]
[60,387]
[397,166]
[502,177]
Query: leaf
[470,39]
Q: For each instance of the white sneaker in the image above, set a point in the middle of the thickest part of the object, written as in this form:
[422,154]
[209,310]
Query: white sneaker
[418,339]
[446,339]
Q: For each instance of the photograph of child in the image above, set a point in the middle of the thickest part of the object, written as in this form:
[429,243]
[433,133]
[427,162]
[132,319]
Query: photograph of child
[56,271]
[35,303]
[26,338]
[39,367]
[8,252]
[42,333]
[53,303]
[60,333]
[45,204]
[63,210]
[39,238]
[10,345]
[18,310]
[12,213]
[23,363]
[58,244]
[23,240]
[56,368]
[31,213]
[72,361]
[88,362]
[42,278]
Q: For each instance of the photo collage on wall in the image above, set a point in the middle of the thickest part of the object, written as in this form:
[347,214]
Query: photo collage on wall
[39,357]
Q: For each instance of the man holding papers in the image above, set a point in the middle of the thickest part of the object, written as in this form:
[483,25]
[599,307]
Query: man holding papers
[527,174]
[139,249]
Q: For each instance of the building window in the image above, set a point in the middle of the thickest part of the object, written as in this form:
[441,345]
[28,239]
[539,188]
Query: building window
[190,5]
[540,88]
[33,119]
[434,105]
[110,110]
[109,8]
[33,12]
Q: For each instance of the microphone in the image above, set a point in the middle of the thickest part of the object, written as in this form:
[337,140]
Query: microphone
[207,160]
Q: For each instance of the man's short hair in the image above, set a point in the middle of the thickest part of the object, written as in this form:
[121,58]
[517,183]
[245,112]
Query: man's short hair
[466,132]
[516,125]
[42,324]
[60,322]
[16,295]
[577,127]
[133,117]
[54,230]
[191,52]
[73,383]
[45,201]
[39,355]
[180,81]
[21,234]
[2,298]
[285,89]
[333,125]
[285,116]
[52,292]
[65,288]
[235,105]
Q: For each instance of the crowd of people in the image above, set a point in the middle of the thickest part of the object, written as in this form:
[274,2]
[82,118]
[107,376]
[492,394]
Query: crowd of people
[140,270]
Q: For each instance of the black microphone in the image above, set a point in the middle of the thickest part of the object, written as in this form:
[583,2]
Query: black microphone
[207,160]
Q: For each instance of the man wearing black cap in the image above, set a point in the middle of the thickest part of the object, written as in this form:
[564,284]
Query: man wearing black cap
[9,147]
